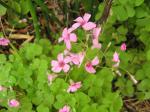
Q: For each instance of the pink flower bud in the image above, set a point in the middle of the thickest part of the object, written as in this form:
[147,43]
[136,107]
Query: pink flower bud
[2,88]
[4,41]
[123,47]
[14,103]
[65,109]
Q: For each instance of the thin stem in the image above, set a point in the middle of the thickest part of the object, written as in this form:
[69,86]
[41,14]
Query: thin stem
[35,19]
[130,75]
[11,45]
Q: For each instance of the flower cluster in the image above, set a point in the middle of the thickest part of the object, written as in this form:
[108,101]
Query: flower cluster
[66,59]
[63,60]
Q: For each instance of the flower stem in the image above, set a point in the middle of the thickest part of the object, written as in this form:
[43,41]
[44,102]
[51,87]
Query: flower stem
[35,19]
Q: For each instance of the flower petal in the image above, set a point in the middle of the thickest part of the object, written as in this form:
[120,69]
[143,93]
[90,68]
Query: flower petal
[89,26]
[54,63]
[66,68]
[65,109]
[67,59]
[116,57]
[79,19]
[89,68]
[86,17]
[98,46]
[81,56]
[78,85]
[65,32]
[56,69]
[73,37]
[96,32]
[75,26]
[123,47]
[60,57]
[68,45]
[95,61]
[60,39]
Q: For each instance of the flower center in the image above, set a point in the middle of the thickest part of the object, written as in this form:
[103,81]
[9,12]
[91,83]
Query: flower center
[61,64]
[89,64]
[83,22]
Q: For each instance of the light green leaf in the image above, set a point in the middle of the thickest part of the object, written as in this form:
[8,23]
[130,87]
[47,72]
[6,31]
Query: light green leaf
[2,10]
[138,2]
[42,108]
[130,10]
[120,12]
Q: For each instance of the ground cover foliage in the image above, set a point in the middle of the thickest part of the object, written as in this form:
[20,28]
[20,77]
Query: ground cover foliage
[73,56]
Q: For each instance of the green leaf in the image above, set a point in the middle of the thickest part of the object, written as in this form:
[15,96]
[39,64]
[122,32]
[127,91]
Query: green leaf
[89,108]
[26,104]
[99,13]
[146,69]
[15,5]
[32,50]
[144,85]
[140,75]
[46,45]
[122,30]
[2,59]
[82,98]
[42,108]
[120,13]
[141,12]
[130,10]
[58,86]
[24,6]
[138,2]
[113,101]
[129,88]
[123,2]
[148,55]
[2,10]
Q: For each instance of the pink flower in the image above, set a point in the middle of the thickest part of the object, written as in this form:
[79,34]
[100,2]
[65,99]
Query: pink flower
[61,64]
[116,59]
[68,37]
[74,87]
[123,47]
[77,59]
[84,22]
[51,77]
[96,32]
[4,41]
[89,65]
[2,88]
[65,109]
[14,103]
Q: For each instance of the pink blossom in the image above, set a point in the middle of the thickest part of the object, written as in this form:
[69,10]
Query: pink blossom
[14,103]
[84,22]
[61,64]
[68,37]
[89,65]
[77,59]
[51,77]
[123,47]
[74,87]
[116,59]
[4,41]
[2,88]
[96,32]
[65,109]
